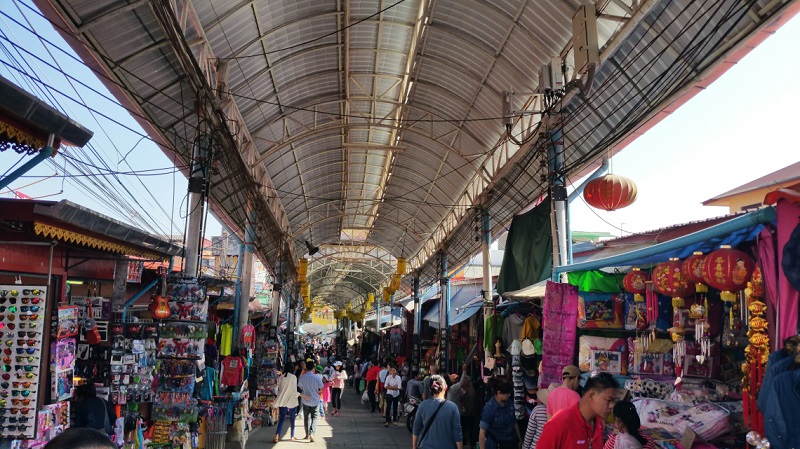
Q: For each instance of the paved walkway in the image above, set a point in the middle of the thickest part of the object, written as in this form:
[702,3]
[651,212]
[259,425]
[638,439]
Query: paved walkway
[356,428]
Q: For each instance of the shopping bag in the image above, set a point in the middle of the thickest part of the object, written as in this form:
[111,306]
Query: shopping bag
[362,386]
[365,398]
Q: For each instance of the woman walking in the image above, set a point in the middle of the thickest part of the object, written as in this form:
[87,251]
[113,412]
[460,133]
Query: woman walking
[437,424]
[338,378]
[286,401]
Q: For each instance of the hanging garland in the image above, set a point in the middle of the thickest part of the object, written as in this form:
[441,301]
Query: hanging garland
[756,353]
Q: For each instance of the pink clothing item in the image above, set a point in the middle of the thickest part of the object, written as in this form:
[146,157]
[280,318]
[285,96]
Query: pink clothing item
[338,378]
[560,320]
[561,398]
[788,219]
[326,392]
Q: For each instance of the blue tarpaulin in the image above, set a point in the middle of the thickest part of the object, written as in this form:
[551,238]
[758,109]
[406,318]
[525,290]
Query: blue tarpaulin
[464,302]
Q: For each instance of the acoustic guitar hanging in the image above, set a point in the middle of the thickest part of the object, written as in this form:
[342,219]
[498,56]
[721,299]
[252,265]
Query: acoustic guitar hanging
[90,325]
[160,306]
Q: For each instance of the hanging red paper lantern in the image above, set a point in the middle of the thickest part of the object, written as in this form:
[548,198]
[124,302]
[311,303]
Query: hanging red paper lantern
[634,282]
[610,192]
[727,270]
[692,269]
[669,281]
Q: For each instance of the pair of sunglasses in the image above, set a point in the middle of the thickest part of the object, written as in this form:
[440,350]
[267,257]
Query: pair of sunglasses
[26,342]
[16,401]
[29,317]
[25,375]
[23,359]
[10,316]
[14,419]
[17,428]
[31,300]
[27,368]
[29,308]
[24,393]
[29,334]
[24,325]
[11,309]
[23,384]
[28,350]
[34,292]
[22,411]
[10,300]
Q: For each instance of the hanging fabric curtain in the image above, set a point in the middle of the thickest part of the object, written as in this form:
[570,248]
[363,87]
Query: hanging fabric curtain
[528,256]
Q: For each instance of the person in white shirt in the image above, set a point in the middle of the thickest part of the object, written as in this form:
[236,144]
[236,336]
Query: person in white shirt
[392,385]
[338,377]
[286,401]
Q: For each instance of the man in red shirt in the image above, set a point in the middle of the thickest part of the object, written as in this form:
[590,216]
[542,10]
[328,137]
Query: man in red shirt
[372,382]
[581,426]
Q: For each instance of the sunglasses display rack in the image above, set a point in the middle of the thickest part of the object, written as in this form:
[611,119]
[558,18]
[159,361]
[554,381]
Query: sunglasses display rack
[22,309]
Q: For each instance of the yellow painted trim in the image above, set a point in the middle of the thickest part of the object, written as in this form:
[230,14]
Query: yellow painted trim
[21,136]
[65,235]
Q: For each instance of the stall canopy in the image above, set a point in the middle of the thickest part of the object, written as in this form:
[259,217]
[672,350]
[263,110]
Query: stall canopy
[530,292]
[465,301]
[428,294]
[733,232]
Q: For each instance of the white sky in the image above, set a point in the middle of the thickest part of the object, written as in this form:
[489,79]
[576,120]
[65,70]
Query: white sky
[741,128]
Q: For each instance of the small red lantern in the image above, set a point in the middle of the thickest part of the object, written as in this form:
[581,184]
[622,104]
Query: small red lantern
[692,269]
[727,270]
[634,282]
[610,192]
[669,281]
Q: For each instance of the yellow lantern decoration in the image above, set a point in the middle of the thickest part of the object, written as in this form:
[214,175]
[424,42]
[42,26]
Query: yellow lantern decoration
[401,265]
[302,270]
[305,289]
[394,283]
[387,294]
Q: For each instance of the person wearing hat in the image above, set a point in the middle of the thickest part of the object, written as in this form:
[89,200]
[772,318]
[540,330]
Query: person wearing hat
[310,385]
[437,424]
[536,421]
[566,395]
[581,425]
[338,377]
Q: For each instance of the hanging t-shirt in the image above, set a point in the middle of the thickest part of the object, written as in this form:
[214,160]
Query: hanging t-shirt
[226,340]
[233,369]
[492,328]
[530,329]
[512,328]
[248,337]
[395,341]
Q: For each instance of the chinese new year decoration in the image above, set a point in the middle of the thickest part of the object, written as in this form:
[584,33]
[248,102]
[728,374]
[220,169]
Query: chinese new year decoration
[610,192]
[727,270]
[635,282]
[669,281]
[756,354]
[692,269]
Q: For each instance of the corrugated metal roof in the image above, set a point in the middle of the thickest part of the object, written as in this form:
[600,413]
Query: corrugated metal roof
[383,117]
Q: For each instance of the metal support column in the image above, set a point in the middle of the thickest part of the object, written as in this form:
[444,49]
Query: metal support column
[276,290]
[198,190]
[486,241]
[42,156]
[444,316]
[247,272]
[558,192]
[416,348]
[237,297]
